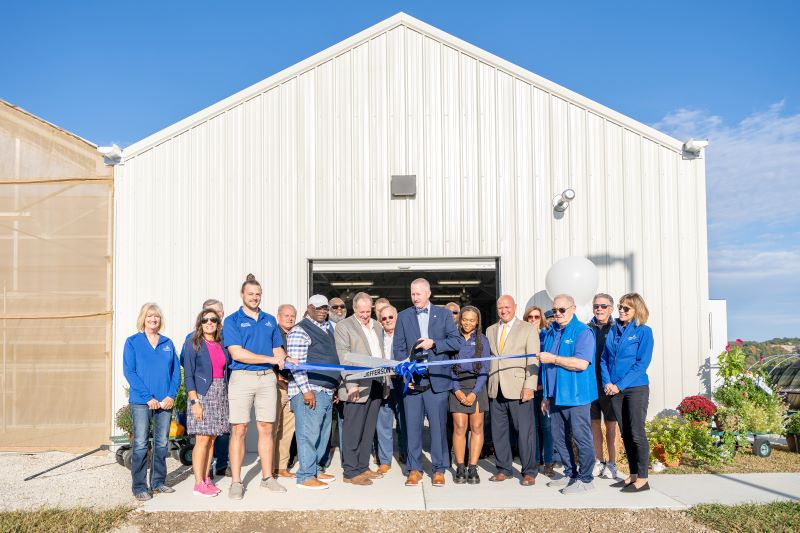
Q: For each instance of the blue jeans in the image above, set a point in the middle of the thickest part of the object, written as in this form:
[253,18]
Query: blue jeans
[161,418]
[391,411]
[544,434]
[575,420]
[312,430]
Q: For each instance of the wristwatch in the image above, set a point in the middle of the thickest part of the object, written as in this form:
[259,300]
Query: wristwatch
[194,402]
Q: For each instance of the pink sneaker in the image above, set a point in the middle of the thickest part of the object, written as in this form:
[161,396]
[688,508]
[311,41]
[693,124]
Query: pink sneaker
[210,483]
[201,489]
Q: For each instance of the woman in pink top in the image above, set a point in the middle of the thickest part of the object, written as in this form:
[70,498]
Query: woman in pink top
[205,373]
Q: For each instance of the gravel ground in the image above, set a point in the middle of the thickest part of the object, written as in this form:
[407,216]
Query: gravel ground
[617,520]
[96,481]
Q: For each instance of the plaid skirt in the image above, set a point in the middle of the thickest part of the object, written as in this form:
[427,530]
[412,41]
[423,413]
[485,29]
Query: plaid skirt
[215,411]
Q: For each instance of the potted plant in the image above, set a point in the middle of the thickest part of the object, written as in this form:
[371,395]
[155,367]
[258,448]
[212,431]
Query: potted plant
[793,432]
[669,438]
[698,410]
[124,421]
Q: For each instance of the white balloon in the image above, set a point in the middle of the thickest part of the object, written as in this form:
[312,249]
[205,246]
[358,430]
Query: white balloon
[584,312]
[574,275]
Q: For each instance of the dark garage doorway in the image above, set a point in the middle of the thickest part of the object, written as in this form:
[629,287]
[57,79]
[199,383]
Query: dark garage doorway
[466,282]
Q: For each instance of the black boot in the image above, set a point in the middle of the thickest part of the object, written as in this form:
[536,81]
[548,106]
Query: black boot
[461,475]
[472,475]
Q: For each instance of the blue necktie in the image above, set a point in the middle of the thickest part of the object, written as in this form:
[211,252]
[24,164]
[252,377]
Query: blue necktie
[424,310]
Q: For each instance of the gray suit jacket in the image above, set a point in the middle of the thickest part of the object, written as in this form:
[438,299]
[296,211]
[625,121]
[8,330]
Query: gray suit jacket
[512,375]
[350,338]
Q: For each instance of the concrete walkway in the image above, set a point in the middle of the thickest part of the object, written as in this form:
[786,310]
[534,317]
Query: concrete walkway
[389,493]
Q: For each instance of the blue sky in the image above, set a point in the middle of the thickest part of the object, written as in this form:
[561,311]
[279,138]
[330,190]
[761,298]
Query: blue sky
[727,71]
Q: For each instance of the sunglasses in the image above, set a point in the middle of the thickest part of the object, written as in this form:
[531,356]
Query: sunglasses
[560,310]
[337,307]
[534,317]
[385,318]
[601,306]
[212,319]
[625,308]
[321,307]
[454,312]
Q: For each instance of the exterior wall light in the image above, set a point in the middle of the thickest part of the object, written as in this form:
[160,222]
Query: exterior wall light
[561,201]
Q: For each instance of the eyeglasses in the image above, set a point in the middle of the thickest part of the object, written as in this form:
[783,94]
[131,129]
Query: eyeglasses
[386,318]
[212,319]
[454,312]
[337,307]
[601,306]
[534,317]
[625,308]
[560,310]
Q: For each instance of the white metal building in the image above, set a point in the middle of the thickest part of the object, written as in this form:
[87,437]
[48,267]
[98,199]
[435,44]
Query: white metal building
[290,179]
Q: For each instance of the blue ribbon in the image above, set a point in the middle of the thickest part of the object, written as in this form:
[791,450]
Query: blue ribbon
[405,369]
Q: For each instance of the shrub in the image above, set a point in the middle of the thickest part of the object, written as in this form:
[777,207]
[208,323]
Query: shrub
[793,424]
[670,432]
[697,408]
[123,419]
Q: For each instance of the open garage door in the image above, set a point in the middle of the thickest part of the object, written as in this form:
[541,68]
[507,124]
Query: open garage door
[466,281]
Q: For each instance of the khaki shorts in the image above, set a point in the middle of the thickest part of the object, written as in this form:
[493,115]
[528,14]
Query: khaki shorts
[247,389]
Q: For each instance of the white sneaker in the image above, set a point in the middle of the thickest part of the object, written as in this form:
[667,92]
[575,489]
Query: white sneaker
[598,469]
[610,471]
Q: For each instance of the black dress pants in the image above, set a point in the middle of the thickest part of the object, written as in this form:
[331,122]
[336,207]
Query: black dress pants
[358,431]
[507,414]
[630,409]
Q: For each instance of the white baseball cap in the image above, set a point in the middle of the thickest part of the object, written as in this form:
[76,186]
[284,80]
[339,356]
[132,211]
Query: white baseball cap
[318,301]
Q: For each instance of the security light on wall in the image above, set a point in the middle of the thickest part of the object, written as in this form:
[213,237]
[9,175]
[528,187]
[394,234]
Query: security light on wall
[561,201]
[694,147]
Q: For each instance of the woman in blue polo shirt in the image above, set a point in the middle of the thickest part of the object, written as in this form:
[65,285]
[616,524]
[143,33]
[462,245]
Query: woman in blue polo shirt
[626,356]
[151,366]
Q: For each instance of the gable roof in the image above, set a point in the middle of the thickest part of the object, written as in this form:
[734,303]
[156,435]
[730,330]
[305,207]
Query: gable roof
[399,19]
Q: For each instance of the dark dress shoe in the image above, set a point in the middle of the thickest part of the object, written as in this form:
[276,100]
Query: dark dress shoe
[461,475]
[499,477]
[619,484]
[632,488]
[472,475]
[528,480]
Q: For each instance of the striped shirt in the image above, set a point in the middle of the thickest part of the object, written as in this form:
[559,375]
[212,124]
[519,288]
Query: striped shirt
[297,343]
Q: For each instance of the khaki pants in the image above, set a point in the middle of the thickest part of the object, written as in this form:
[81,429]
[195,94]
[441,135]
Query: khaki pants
[282,430]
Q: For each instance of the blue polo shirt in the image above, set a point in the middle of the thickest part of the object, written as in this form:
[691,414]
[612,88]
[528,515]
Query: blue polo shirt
[258,336]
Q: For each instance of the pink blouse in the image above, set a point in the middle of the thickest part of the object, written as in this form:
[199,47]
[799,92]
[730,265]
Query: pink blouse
[217,359]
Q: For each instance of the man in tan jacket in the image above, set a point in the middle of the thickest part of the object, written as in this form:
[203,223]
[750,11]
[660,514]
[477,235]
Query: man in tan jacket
[510,387]
[359,334]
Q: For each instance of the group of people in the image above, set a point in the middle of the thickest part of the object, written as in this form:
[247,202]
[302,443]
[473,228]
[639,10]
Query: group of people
[543,388]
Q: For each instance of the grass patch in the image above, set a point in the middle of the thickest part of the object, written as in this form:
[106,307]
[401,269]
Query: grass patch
[77,520]
[780,460]
[773,517]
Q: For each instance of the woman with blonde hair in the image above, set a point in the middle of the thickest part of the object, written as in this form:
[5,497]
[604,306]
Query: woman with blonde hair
[626,356]
[151,366]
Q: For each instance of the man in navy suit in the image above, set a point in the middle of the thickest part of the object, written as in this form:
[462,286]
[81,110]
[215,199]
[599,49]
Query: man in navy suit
[426,331]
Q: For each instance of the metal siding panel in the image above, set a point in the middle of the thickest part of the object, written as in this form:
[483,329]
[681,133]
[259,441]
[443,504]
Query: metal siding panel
[505,241]
[419,221]
[280,233]
[470,170]
[378,138]
[342,155]
[672,305]
[525,208]
[615,206]
[452,177]
[651,252]
[632,209]
[398,237]
[436,213]
[559,131]
[543,213]
[578,213]
[307,187]
[325,182]
[360,175]
[487,159]
[598,218]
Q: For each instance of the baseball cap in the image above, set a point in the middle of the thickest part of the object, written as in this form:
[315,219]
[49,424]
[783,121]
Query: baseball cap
[548,313]
[318,301]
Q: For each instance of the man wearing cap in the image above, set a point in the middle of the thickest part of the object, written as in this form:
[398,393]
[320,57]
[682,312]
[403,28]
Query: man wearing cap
[360,334]
[311,392]
[426,332]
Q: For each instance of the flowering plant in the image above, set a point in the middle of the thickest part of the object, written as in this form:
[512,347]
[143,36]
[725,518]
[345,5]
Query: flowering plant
[697,408]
